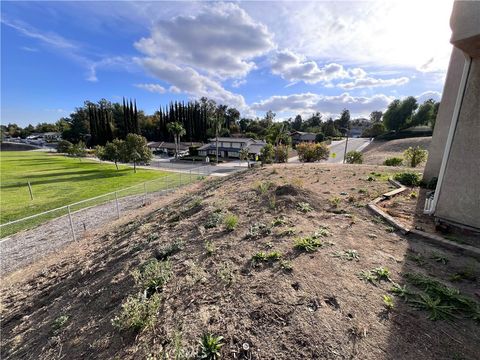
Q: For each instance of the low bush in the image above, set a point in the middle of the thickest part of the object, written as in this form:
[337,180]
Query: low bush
[152,276]
[307,244]
[415,155]
[354,157]
[408,178]
[213,220]
[64,146]
[308,152]
[393,161]
[138,312]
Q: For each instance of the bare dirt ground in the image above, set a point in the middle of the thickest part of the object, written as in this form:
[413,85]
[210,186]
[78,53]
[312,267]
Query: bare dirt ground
[379,150]
[408,209]
[320,309]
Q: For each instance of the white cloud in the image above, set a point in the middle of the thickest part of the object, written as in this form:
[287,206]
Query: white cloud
[29,49]
[156,88]
[238,82]
[310,102]
[293,67]
[368,82]
[220,41]
[189,81]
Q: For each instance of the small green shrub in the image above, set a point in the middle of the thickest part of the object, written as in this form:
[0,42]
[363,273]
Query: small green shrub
[393,161]
[209,248]
[388,302]
[152,276]
[335,201]
[137,313]
[213,220]
[258,230]
[286,265]
[169,250]
[415,155]
[263,187]
[59,323]
[231,222]
[408,178]
[347,255]
[266,257]
[210,346]
[225,273]
[304,207]
[354,157]
[278,221]
[436,310]
[307,244]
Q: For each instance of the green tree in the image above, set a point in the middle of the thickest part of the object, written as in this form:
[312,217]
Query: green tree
[112,151]
[344,122]
[177,130]
[374,130]
[78,150]
[424,114]
[216,122]
[399,113]
[376,116]
[135,150]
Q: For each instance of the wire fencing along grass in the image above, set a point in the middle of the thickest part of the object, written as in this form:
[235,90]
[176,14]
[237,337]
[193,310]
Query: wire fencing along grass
[90,213]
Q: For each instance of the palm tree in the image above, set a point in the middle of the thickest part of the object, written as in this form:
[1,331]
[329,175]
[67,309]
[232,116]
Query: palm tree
[216,122]
[177,130]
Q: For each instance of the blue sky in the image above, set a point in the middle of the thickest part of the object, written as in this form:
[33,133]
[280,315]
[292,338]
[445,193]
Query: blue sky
[290,57]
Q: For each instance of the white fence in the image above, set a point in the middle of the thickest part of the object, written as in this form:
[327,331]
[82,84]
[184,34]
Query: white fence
[77,218]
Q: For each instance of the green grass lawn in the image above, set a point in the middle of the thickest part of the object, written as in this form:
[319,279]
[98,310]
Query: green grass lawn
[58,180]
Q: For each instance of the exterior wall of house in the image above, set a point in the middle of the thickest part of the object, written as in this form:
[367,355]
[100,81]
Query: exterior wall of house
[444,116]
[458,193]
[459,196]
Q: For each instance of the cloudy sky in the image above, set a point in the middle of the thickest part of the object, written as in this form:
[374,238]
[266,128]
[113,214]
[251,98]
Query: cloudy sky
[289,57]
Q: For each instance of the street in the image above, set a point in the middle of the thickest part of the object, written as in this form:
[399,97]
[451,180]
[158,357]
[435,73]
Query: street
[338,148]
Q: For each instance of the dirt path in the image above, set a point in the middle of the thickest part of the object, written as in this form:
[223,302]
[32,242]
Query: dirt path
[27,246]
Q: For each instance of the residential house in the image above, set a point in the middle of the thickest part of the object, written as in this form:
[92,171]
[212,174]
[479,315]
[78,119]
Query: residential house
[229,147]
[454,154]
[300,137]
[169,147]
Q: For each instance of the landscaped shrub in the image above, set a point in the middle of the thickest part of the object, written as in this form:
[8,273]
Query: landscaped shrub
[213,220]
[415,155]
[138,312]
[374,130]
[320,137]
[408,178]
[281,153]
[354,157]
[308,152]
[210,346]
[64,146]
[152,276]
[393,161]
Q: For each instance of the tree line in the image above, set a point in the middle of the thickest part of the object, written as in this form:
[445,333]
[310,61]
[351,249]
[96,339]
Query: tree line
[104,121]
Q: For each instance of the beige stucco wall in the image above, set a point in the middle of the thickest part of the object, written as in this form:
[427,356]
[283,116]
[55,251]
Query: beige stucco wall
[444,116]
[459,196]
[465,24]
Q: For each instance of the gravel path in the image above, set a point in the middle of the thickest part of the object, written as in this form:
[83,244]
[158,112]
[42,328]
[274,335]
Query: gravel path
[27,246]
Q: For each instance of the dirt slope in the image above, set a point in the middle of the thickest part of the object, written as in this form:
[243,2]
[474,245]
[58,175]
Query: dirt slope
[320,309]
[379,150]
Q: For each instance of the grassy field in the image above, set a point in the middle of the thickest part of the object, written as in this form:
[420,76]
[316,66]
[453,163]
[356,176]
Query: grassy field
[58,180]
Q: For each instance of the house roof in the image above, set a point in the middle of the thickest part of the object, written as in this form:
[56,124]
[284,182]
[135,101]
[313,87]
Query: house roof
[231,139]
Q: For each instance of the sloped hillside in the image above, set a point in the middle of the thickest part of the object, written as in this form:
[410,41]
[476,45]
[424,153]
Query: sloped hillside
[379,150]
[282,262]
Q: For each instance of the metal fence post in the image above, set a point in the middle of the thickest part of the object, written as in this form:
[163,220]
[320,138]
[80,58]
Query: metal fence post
[118,207]
[145,189]
[30,189]
[71,223]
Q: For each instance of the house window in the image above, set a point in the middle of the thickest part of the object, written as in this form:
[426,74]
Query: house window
[233,154]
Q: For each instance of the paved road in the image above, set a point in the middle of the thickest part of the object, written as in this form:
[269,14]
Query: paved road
[338,148]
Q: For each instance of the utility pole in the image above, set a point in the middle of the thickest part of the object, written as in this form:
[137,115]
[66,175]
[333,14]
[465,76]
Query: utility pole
[346,145]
